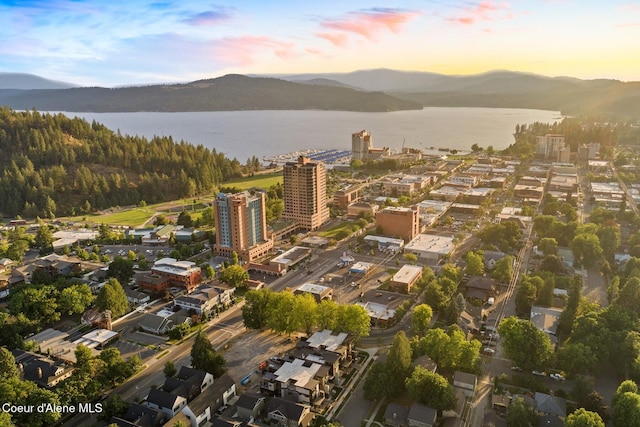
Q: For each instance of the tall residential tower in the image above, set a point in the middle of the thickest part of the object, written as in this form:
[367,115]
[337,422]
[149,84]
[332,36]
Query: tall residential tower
[241,225]
[305,193]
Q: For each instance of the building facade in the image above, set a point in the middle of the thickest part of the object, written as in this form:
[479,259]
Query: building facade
[403,222]
[241,225]
[305,193]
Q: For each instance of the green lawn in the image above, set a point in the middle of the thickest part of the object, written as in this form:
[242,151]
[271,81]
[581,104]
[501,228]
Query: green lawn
[340,231]
[260,181]
[134,217]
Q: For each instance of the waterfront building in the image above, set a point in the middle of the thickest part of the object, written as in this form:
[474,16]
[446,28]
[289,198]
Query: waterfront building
[305,193]
[241,225]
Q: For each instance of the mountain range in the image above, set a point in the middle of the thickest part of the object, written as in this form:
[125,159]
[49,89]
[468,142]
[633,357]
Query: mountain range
[366,90]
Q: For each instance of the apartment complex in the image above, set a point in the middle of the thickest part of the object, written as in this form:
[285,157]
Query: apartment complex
[305,193]
[552,147]
[241,225]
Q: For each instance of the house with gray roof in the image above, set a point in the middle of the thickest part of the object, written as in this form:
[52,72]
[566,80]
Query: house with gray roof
[284,413]
[396,415]
[166,402]
[550,405]
[421,416]
[140,415]
[250,406]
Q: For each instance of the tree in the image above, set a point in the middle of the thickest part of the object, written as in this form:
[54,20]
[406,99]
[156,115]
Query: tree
[430,389]
[255,311]
[327,315]
[170,369]
[626,410]
[8,367]
[185,219]
[577,358]
[503,270]
[410,257]
[112,297]
[525,297]
[114,406]
[519,414]
[122,269]
[398,364]
[234,276]
[281,316]
[353,319]
[586,249]
[75,299]
[629,295]
[44,237]
[584,418]
[205,358]
[522,342]
[475,264]
[376,384]
[421,318]
[305,307]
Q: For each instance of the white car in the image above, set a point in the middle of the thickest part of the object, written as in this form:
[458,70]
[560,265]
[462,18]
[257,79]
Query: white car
[557,377]
[488,350]
[539,374]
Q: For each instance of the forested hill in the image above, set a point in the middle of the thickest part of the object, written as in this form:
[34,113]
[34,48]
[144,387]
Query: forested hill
[227,93]
[53,165]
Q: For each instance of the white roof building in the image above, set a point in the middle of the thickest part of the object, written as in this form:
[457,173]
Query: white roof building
[430,246]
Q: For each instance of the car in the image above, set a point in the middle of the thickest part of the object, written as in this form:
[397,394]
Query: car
[539,373]
[378,294]
[557,377]
[516,368]
[489,343]
[221,409]
[488,350]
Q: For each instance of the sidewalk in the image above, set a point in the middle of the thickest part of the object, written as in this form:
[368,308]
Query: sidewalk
[346,393]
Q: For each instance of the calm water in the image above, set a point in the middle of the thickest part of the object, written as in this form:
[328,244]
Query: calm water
[242,134]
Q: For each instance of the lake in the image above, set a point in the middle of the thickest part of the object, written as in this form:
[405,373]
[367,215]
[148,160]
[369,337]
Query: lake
[242,134]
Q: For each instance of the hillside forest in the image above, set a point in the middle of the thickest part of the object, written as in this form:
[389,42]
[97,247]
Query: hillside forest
[54,165]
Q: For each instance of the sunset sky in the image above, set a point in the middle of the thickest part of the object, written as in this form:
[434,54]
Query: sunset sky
[115,42]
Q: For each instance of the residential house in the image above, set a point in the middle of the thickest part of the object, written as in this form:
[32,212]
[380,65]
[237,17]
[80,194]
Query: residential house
[546,404]
[466,382]
[396,415]
[427,363]
[140,415]
[546,319]
[250,405]
[284,413]
[166,402]
[481,288]
[421,416]
[295,378]
[491,258]
[206,299]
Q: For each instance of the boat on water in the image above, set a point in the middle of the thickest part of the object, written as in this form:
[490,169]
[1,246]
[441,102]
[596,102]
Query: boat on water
[329,156]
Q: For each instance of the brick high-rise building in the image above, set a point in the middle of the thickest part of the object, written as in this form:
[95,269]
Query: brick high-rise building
[403,222]
[241,225]
[305,193]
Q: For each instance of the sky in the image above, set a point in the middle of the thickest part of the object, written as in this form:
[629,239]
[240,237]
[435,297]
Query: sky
[114,43]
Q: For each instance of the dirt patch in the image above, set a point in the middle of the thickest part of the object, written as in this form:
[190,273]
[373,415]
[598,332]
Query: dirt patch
[245,352]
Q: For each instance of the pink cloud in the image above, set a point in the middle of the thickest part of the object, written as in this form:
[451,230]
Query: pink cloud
[241,51]
[337,39]
[368,24]
[483,11]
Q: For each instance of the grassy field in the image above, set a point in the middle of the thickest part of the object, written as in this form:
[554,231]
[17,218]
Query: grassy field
[340,231]
[134,217]
[260,181]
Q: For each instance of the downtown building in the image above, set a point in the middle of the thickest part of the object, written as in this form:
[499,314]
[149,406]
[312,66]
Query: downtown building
[241,226]
[305,193]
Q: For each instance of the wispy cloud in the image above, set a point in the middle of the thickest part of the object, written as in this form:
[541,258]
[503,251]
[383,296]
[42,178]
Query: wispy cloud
[366,23]
[242,51]
[209,17]
[482,12]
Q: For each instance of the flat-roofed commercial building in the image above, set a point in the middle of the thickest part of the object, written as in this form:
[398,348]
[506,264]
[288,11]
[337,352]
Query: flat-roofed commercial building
[430,246]
[172,273]
[405,278]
